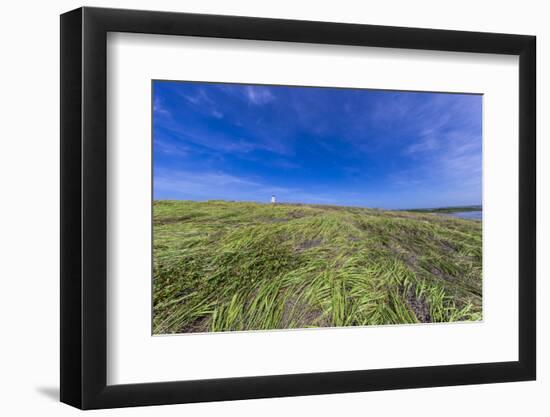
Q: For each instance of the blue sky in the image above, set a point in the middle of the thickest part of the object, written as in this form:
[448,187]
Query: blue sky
[371,148]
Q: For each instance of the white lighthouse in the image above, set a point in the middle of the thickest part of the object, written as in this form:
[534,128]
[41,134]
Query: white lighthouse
[273,199]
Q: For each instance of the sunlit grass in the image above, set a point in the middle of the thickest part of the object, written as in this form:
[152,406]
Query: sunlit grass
[222,266]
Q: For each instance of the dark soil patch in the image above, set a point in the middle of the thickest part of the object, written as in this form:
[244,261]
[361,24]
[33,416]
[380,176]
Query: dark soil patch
[440,274]
[296,214]
[410,258]
[308,244]
[448,246]
[419,306]
[315,318]
[171,220]
[200,325]
[304,314]
[277,220]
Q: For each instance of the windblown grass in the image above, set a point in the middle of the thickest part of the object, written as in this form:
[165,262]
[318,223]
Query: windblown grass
[221,266]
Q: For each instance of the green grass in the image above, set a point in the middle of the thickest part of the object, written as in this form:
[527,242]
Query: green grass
[227,266]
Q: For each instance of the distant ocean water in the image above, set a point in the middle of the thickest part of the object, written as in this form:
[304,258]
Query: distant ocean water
[471,215]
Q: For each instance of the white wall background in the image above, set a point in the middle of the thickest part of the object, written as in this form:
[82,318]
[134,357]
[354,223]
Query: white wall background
[29,225]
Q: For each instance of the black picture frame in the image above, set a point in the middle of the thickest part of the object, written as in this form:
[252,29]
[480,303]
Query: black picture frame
[84,207]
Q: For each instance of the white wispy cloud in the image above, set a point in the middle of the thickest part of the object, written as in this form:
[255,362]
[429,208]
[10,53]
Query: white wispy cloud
[217,114]
[282,163]
[159,109]
[221,142]
[258,95]
[168,148]
[428,139]
[211,185]
[202,100]
[219,185]
[450,171]
[200,97]
[444,152]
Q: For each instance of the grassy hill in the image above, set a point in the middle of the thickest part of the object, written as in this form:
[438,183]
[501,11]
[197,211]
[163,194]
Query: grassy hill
[222,266]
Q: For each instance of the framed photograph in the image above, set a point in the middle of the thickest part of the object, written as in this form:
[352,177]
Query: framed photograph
[259,208]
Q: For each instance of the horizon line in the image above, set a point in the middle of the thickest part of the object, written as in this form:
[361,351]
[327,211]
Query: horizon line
[320,204]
